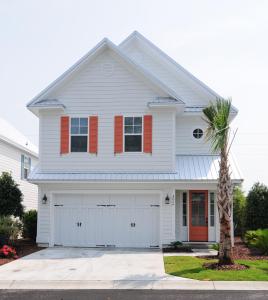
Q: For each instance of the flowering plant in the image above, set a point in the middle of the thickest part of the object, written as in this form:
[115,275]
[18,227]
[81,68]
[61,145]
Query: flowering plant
[8,252]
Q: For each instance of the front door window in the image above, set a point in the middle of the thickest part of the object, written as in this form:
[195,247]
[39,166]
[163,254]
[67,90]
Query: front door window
[198,209]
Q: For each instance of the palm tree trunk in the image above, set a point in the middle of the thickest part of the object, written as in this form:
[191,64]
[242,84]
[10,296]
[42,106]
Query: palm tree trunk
[225,211]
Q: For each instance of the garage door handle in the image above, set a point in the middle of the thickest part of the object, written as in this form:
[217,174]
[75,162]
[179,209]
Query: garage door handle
[132,224]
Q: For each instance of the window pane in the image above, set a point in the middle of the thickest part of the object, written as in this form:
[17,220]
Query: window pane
[137,129]
[133,143]
[128,129]
[212,209]
[83,122]
[74,130]
[198,209]
[184,209]
[75,122]
[137,121]
[79,144]
[83,130]
[129,121]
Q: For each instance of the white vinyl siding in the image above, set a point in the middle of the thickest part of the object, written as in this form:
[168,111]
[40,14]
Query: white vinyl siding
[121,93]
[10,161]
[175,79]
[185,142]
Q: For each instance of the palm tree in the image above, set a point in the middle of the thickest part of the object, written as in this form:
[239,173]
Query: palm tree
[217,117]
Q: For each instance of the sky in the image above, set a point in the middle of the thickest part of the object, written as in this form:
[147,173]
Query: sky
[223,43]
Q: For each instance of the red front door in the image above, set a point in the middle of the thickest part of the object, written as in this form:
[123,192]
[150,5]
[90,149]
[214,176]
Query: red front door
[198,216]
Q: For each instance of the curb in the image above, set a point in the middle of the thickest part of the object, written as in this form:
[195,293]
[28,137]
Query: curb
[133,284]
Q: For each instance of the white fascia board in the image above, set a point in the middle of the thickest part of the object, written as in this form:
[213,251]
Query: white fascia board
[18,146]
[35,109]
[105,43]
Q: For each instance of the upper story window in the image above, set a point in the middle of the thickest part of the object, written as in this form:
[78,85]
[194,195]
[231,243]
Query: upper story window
[25,166]
[133,134]
[198,133]
[79,134]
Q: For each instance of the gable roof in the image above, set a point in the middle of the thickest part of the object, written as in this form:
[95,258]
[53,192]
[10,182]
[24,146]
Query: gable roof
[173,65]
[11,135]
[104,44]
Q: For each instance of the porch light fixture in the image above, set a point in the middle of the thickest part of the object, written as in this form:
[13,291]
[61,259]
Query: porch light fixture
[44,199]
[167,200]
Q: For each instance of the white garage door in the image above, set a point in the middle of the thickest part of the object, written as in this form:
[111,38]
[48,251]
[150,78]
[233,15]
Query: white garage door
[107,220]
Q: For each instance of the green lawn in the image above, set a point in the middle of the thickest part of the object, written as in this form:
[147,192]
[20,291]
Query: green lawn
[191,267]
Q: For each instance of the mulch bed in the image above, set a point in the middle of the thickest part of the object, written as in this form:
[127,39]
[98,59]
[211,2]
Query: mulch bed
[23,247]
[241,251]
[216,266]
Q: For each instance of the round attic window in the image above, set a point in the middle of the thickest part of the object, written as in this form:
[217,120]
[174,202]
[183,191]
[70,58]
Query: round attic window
[198,133]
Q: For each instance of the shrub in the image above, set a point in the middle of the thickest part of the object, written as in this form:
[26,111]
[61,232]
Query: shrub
[177,246]
[215,247]
[9,229]
[258,239]
[8,252]
[239,201]
[29,221]
[10,196]
[257,207]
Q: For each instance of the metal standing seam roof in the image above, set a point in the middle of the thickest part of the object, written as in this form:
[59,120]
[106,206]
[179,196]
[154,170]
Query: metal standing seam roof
[188,168]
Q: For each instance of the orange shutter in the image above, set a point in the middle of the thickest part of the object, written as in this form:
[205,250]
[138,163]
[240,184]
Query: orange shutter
[118,134]
[147,134]
[64,135]
[93,134]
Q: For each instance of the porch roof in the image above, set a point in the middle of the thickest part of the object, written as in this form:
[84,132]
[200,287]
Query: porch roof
[193,168]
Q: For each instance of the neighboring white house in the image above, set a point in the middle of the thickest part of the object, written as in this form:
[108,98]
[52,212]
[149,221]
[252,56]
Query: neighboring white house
[18,156]
[123,160]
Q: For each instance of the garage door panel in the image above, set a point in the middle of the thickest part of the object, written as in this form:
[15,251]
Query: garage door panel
[107,220]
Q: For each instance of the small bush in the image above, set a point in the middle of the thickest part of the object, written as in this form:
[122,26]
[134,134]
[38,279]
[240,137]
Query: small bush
[9,229]
[215,247]
[29,221]
[8,252]
[177,246]
[258,239]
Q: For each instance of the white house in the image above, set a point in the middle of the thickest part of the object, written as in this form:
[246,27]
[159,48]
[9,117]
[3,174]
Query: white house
[123,160]
[18,156]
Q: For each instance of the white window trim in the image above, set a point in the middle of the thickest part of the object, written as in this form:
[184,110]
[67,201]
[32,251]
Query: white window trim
[133,116]
[192,134]
[23,167]
[78,134]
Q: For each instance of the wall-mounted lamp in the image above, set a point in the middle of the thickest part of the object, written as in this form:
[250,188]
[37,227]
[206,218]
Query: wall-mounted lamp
[167,200]
[44,199]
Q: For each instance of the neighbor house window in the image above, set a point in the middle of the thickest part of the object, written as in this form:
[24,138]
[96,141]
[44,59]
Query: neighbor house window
[79,134]
[25,166]
[184,209]
[198,133]
[133,134]
[212,209]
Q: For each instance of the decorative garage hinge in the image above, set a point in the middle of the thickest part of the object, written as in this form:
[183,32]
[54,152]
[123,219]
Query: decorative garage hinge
[58,205]
[154,246]
[155,205]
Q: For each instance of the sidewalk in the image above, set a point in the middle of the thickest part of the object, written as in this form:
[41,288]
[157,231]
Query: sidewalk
[134,284]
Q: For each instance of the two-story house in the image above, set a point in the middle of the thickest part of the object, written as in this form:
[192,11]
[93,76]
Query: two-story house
[17,157]
[123,158]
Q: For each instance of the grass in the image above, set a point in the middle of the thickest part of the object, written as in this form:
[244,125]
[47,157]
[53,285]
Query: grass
[191,267]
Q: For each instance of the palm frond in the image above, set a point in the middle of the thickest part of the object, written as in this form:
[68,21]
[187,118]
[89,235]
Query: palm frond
[216,115]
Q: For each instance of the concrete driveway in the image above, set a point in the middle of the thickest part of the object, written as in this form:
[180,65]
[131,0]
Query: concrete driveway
[87,264]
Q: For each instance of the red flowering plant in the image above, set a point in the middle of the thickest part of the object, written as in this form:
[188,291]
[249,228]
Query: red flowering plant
[8,252]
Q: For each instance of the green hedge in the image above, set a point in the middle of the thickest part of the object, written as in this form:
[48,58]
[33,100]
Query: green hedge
[29,221]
